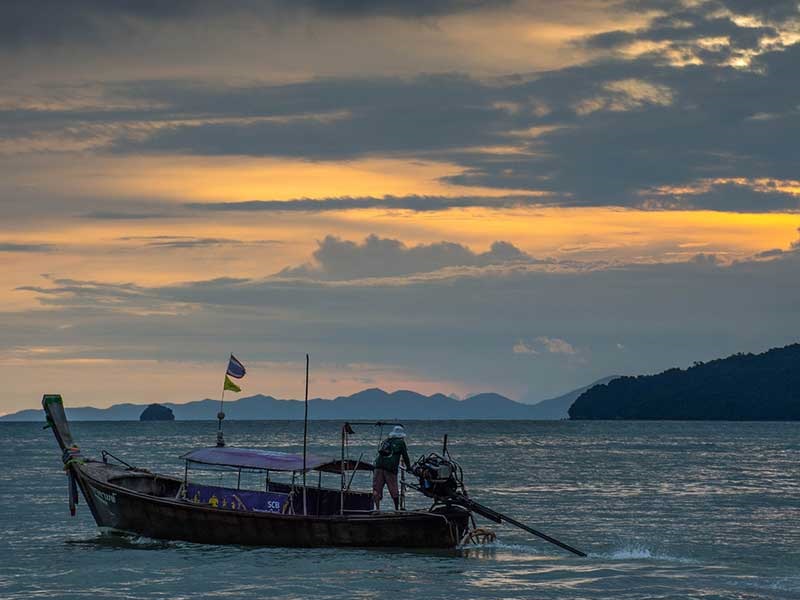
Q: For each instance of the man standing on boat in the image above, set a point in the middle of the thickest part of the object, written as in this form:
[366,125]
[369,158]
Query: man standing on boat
[387,463]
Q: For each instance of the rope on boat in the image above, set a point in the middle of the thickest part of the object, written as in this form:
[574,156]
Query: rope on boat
[72,455]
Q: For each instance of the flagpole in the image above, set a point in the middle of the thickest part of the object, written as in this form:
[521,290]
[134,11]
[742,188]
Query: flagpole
[236,370]
[220,416]
[305,441]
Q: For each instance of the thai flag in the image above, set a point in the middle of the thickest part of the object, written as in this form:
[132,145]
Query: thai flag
[235,368]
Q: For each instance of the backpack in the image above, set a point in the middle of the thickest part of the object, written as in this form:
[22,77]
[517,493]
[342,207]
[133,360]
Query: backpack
[386,448]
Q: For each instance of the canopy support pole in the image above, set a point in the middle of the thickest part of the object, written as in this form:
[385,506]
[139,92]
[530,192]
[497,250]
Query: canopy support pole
[341,487]
[319,491]
[305,442]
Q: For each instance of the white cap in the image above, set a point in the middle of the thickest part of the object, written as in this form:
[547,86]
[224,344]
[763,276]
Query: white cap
[398,432]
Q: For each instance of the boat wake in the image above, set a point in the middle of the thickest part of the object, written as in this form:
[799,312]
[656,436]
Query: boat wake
[498,546]
[625,553]
[639,552]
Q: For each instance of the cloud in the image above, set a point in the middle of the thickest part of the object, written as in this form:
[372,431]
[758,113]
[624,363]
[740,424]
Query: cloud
[775,10]
[718,32]
[770,253]
[111,215]
[78,297]
[735,196]
[612,129]
[338,259]
[625,95]
[414,8]
[452,327]
[412,202]
[522,348]
[556,345]
[92,21]
[706,132]
[26,247]
[330,119]
[182,242]
[705,259]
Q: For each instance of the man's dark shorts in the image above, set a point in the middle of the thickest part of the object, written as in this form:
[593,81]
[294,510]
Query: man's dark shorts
[381,477]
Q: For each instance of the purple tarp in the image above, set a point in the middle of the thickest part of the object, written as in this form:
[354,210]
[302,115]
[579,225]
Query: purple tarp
[254,458]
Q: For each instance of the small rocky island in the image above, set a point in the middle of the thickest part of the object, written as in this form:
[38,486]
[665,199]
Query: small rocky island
[157,412]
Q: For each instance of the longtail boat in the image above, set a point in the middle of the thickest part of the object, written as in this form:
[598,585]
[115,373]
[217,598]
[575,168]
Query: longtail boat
[135,500]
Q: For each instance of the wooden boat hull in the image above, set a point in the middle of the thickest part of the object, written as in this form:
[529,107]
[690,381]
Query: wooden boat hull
[123,509]
[152,505]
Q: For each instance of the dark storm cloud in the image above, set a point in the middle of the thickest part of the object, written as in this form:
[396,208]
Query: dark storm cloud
[719,123]
[85,21]
[609,132]
[739,198]
[680,28]
[339,259]
[328,119]
[777,10]
[771,10]
[45,22]
[681,23]
[401,8]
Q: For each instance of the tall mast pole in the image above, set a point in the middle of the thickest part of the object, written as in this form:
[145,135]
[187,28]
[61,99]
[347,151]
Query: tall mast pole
[305,442]
[220,416]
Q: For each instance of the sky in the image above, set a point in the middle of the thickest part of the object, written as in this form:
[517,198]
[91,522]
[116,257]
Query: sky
[453,196]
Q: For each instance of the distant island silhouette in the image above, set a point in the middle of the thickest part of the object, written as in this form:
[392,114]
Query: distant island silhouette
[373,403]
[742,387]
[157,412]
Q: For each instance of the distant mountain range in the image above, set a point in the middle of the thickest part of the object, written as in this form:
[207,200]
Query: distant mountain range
[372,403]
[742,387]
[557,408]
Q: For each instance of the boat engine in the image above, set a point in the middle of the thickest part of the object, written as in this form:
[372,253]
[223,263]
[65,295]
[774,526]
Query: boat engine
[439,477]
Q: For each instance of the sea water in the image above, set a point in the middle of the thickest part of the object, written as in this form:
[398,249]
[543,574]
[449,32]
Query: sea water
[664,510]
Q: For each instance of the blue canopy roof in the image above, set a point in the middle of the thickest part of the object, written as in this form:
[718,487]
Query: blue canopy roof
[268,460]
